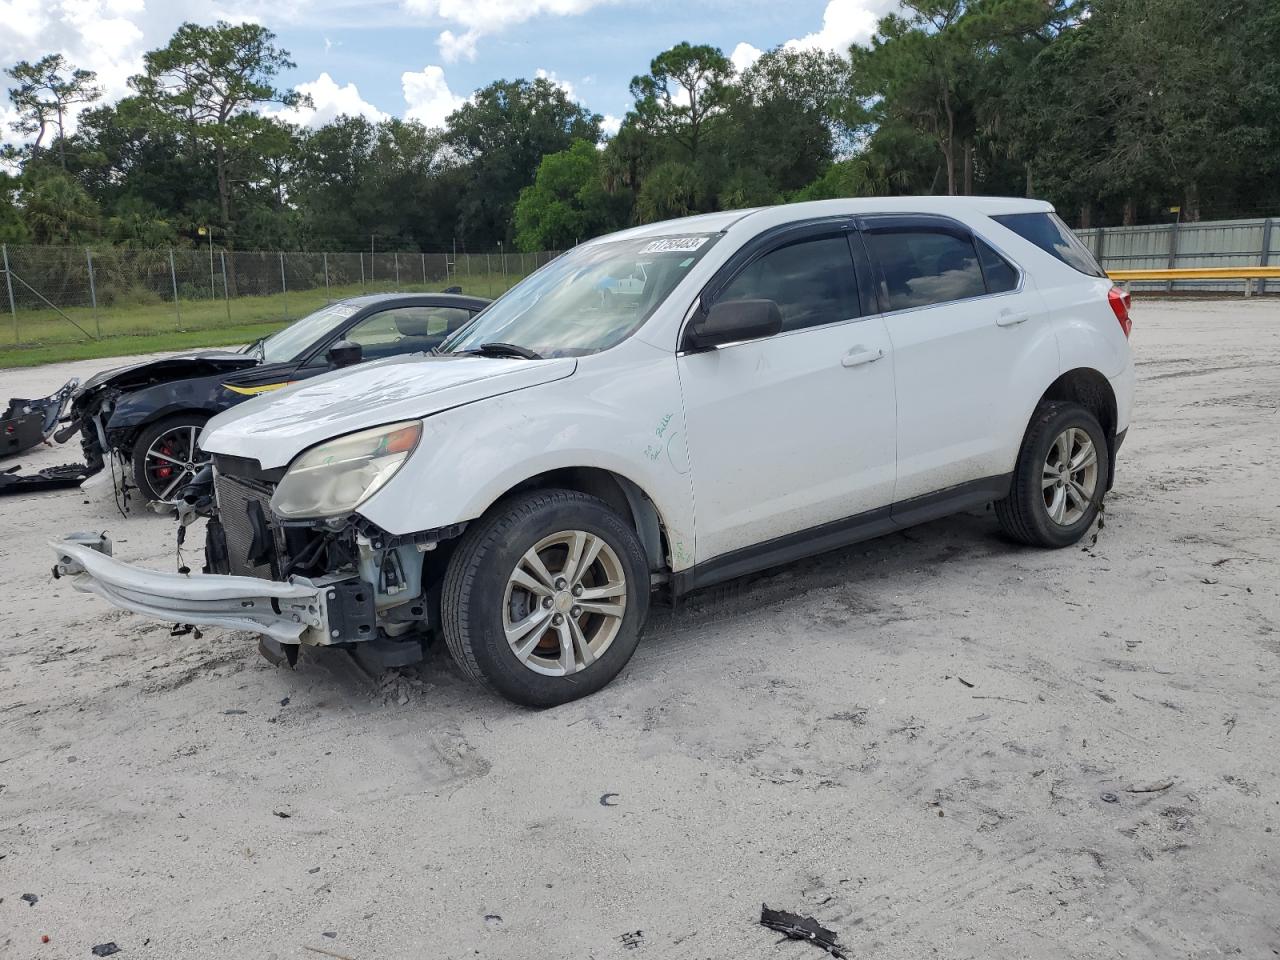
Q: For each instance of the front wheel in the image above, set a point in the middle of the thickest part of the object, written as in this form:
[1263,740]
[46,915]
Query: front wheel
[545,597]
[166,456]
[1060,478]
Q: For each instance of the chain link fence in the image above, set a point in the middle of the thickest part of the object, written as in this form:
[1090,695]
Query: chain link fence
[67,294]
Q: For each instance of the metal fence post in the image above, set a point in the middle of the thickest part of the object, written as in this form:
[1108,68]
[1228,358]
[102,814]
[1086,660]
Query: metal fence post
[93,292]
[173,276]
[284,286]
[488,275]
[325,257]
[226,293]
[1102,248]
[8,279]
[1266,253]
[396,258]
[361,255]
[424,269]
[1173,251]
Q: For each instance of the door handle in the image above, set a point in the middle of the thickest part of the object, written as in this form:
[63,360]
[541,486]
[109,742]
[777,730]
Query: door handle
[858,356]
[1008,318]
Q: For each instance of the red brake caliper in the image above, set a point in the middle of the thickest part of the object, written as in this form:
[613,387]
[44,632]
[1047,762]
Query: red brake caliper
[164,471]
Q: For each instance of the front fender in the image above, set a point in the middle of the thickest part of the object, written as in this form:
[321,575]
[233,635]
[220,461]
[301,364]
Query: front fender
[623,416]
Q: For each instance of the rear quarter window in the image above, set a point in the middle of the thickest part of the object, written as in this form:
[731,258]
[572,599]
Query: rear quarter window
[1054,237]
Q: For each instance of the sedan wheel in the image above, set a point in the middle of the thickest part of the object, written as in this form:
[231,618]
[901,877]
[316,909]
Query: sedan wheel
[166,457]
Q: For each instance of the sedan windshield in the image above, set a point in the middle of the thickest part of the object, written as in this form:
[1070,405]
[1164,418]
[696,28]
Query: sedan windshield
[298,338]
[584,301]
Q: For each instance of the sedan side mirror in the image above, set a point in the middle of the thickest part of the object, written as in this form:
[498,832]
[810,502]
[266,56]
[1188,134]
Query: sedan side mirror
[732,320]
[344,353]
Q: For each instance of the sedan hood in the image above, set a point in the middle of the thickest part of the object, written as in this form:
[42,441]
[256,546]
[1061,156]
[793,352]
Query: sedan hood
[174,367]
[276,427]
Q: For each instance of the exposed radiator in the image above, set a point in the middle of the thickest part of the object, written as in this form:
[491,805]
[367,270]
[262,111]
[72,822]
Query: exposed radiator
[235,501]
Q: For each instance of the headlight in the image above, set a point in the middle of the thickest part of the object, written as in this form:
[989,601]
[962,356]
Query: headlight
[336,477]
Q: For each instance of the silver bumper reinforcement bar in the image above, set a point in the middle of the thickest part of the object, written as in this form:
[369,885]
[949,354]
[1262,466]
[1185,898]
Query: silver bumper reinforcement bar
[293,612]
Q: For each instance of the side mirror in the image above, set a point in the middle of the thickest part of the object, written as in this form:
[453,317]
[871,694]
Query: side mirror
[454,289]
[344,353]
[732,320]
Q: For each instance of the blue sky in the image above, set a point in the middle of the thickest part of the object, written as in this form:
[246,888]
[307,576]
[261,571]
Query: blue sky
[421,58]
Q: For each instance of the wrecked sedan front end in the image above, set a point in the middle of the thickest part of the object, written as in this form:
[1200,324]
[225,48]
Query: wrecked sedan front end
[94,401]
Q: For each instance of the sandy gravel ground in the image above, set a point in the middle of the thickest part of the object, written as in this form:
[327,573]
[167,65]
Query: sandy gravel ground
[804,739]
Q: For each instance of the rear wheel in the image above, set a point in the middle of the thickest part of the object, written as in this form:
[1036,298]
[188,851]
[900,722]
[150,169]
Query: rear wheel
[166,456]
[545,598]
[1060,478]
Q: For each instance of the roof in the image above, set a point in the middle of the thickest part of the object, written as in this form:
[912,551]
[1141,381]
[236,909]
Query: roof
[719,222]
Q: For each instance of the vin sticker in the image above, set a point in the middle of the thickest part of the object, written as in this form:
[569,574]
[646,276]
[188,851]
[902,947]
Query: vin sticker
[675,244]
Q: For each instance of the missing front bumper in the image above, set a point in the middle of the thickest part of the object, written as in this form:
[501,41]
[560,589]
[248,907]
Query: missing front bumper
[320,612]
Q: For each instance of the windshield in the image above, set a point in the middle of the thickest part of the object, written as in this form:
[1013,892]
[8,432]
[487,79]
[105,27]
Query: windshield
[295,339]
[586,300]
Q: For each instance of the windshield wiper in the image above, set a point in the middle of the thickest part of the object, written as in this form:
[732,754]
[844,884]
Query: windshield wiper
[497,349]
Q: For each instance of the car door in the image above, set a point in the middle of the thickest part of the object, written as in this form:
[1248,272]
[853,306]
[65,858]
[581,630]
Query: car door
[796,430]
[970,339]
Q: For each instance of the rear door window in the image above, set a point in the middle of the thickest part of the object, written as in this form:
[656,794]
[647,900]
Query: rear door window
[1054,237]
[921,267]
[811,281]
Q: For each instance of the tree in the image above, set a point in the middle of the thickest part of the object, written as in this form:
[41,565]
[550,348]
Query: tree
[787,116]
[671,190]
[206,85]
[44,93]
[685,86]
[567,201]
[57,209]
[12,227]
[499,137]
[924,70]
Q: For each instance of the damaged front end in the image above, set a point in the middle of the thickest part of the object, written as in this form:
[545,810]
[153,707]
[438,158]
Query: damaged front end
[337,582]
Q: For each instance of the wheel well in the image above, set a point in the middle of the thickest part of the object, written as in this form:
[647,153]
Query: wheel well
[1091,390]
[621,494]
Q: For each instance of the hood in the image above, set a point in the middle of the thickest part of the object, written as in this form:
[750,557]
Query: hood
[173,367]
[275,427]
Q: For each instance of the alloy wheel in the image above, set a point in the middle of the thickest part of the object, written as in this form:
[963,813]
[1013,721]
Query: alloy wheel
[564,603]
[1070,476]
[173,459]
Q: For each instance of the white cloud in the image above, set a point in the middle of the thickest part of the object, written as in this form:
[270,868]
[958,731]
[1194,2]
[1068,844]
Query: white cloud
[480,17]
[744,55]
[565,85]
[428,96]
[610,125]
[329,101]
[844,23]
[108,37]
[458,47]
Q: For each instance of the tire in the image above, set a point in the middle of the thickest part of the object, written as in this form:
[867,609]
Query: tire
[488,591]
[1047,506]
[148,471]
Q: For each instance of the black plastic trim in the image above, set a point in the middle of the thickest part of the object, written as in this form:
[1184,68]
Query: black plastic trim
[841,533]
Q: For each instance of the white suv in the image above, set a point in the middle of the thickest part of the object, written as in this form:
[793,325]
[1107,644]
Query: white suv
[789,380]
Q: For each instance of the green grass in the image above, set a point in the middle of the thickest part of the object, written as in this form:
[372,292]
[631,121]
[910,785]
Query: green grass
[44,336]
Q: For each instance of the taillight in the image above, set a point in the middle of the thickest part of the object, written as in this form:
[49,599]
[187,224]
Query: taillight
[1120,303]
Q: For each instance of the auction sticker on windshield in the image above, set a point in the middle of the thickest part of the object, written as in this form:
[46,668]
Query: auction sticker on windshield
[675,244]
